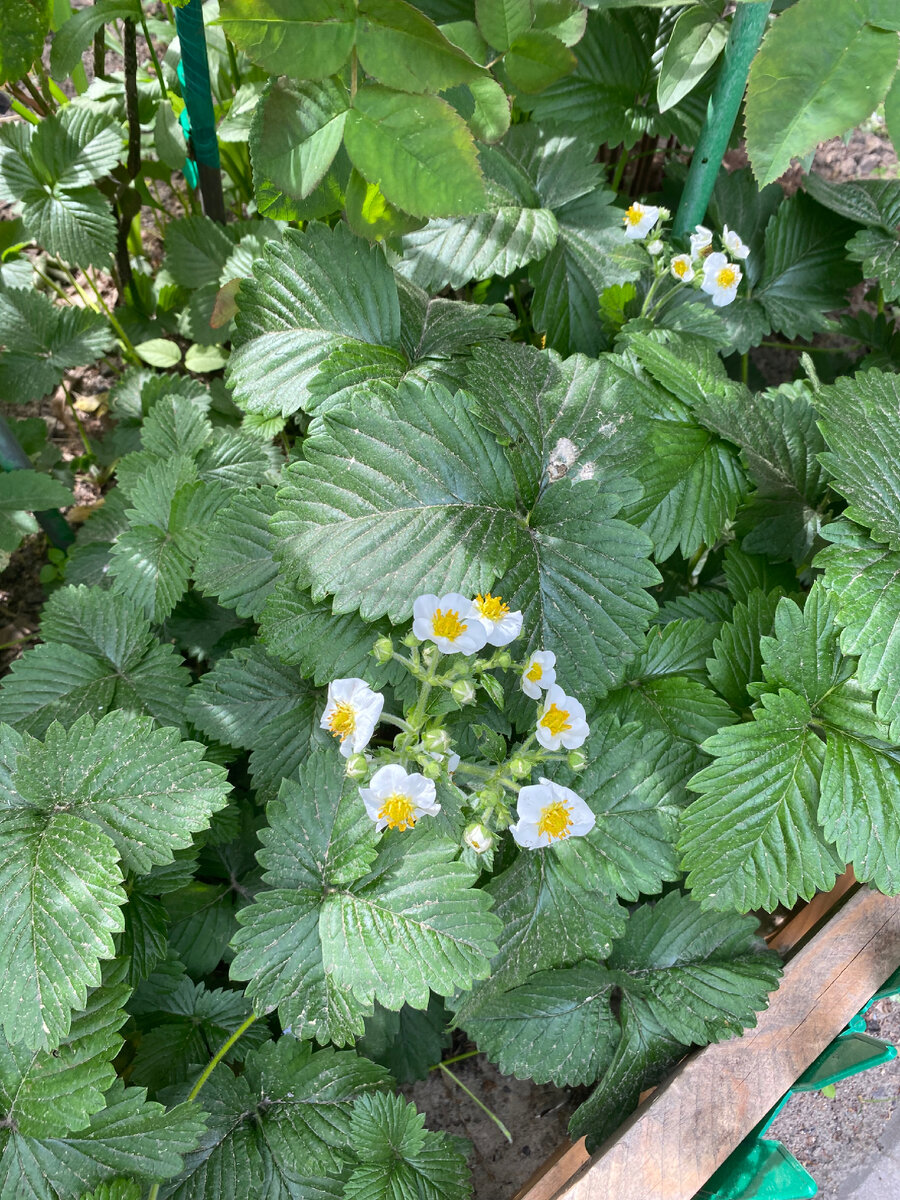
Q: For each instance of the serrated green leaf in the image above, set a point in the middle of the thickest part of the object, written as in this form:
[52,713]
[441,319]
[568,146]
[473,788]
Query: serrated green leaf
[417,149]
[535,60]
[98,655]
[752,839]
[295,133]
[288,1115]
[75,34]
[737,660]
[502,21]
[236,564]
[143,940]
[197,249]
[117,1189]
[795,101]
[24,489]
[42,341]
[307,44]
[407,1043]
[857,418]
[804,654]
[75,146]
[400,1159]
[879,255]
[297,309]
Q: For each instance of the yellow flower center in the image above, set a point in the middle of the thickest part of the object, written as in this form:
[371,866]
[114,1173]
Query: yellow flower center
[726,277]
[399,812]
[447,624]
[342,721]
[491,607]
[633,215]
[556,720]
[680,267]
[556,820]
[534,673]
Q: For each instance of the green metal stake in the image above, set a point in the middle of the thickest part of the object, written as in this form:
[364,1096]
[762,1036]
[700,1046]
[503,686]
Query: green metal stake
[747,28]
[14,458]
[199,105]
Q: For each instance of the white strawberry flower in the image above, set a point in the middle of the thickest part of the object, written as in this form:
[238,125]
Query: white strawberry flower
[352,711]
[539,673]
[396,800]
[733,244]
[561,722]
[701,240]
[720,279]
[500,625]
[448,622]
[478,838]
[656,247]
[639,220]
[682,268]
[549,812]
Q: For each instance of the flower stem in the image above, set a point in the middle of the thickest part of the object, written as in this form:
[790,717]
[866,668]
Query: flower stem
[398,721]
[484,1108]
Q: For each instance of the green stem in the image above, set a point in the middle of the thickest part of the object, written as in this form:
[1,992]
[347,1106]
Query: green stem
[446,1061]
[398,721]
[24,111]
[484,1108]
[220,1054]
[233,63]
[85,440]
[745,368]
[157,68]
[805,349]
[620,170]
[120,332]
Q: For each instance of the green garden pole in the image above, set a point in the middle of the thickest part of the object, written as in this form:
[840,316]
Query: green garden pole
[14,458]
[747,28]
[199,105]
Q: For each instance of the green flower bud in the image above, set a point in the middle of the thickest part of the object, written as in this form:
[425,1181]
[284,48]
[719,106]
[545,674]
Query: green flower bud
[383,649]
[436,740]
[577,760]
[478,838]
[410,640]
[463,691]
[357,766]
[490,796]
[504,660]
[432,769]
[519,768]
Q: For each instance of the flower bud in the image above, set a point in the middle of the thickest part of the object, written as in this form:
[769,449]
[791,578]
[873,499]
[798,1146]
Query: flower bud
[436,740]
[432,769]
[383,649]
[410,640]
[463,691]
[478,838]
[655,247]
[490,796]
[357,766]
[504,660]
[519,768]
[577,760]
[430,656]
[664,214]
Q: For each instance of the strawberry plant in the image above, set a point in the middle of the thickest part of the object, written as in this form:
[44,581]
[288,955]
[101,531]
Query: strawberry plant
[467,643]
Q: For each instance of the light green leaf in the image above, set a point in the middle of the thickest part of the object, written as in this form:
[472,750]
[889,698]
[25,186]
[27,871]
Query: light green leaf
[197,249]
[858,421]
[796,100]
[402,48]
[75,146]
[295,134]
[298,309]
[752,839]
[76,223]
[417,149]
[98,654]
[23,26]
[803,655]
[537,59]
[400,1160]
[75,34]
[484,106]
[236,564]
[311,42]
[892,112]
[502,21]
[738,660]
[697,41]
[31,490]
[879,255]
[41,341]
[159,352]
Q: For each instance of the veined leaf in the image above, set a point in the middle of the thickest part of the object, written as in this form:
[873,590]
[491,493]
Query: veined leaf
[75,35]
[417,149]
[295,134]
[502,21]
[698,38]
[738,660]
[407,1043]
[23,26]
[236,564]
[796,100]
[803,654]
[41,341]
[308,43]
[752,840]
[402,48]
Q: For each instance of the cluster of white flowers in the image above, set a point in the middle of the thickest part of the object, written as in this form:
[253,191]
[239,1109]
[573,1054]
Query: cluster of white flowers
[396,798]
[720,274]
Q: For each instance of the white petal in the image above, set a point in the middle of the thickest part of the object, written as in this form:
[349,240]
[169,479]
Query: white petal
[424,605]
[576,736]
[525,834]
[420,789]
[530,689]
[532,798]
[506,630]
[386,780]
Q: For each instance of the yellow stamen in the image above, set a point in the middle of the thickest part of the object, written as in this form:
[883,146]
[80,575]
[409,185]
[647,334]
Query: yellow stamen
[726,278]
[556,720]
[342,721]
[680,267]
[534,673]
[634,215]
[399,812]
[491,607]
[447,624]
[556,820]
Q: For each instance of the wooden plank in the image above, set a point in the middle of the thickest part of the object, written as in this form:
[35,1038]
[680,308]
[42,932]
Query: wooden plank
[670,1146]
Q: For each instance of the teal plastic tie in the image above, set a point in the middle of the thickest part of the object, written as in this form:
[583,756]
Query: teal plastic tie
[189,170]
[193,72]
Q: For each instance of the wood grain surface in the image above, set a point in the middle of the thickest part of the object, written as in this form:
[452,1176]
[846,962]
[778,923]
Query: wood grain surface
[670,1146]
